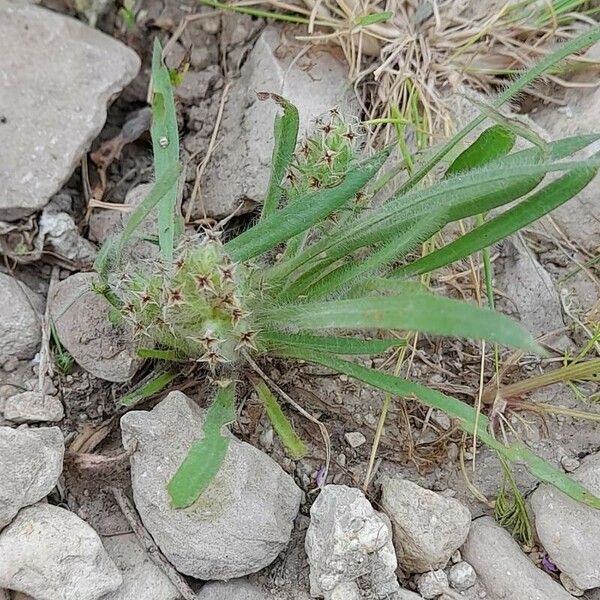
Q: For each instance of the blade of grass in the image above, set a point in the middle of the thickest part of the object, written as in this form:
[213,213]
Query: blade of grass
[514,219]
[516,453]
[165,145]
[331,344]
[408,310]
[289,438]
[207,454]
[285,137]
[150,387]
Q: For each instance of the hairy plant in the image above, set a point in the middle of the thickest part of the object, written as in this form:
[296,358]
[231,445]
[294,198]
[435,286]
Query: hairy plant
[326,273]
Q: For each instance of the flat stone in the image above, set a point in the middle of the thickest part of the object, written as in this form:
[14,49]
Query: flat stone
[31,461]
[349,542]
[33,407]
[503,568]
[57,77]
[569,530]
[142,579]
[20,326]
[238,589]
[238,172]
[428,528]
[51,554]
[355,439]
[241,522]
[81,317]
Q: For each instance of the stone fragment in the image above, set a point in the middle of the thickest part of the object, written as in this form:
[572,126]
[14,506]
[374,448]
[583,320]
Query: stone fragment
[81,317]
[31,461]
[428,527]
[432,584]
[238,589]
[462,576]
[241,522]
[33,407]
[20,328]
[51,554]
[349,542]
[58,77]
[503,568]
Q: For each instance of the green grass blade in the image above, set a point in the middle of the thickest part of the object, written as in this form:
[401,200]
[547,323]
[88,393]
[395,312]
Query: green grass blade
[285,136]
[523,81]
[302,213]
[495,142]
[155,384]
[516,453]
[170,355]
[334,345]
[206,455]
[533,208]
[281,424]
[409,309]
[165,145]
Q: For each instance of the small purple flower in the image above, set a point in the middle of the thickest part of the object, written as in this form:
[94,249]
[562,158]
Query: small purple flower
[320,476]
[548,565]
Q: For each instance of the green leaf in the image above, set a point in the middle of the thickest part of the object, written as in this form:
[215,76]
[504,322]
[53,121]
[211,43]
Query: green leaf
[165,145]
[334,345]
[285,133]
[302,213]
[373,18]
[409,309]
[289,438]
[151,386]
[533,208]
[516,453]
[495,142]
[206,455]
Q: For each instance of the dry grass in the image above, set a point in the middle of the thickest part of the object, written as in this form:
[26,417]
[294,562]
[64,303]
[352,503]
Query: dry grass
[420,52]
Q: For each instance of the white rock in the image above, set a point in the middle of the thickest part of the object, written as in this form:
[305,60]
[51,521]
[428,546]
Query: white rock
[142,579]
[504,570]
[51,554]
[82,323]
[406,595]
[346,591]
[33,407]
[240,523]
[20,328]
[566,527]
[428,528]
[58,77]
[432,584]
[240,167]
[348,541]
[529,288]
[31,461]
[355,439]
[238,589]
[462,576]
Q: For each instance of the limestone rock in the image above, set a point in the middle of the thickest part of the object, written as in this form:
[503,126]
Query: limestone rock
[20,329]
[348,541]
[33,407]
[82,322]
[239,170]
[462,576]
[432,584]
[142,579]
[51,554]
[240,523]
[428,528]
[58,77]
[504,569]
[31,461]
[569,530]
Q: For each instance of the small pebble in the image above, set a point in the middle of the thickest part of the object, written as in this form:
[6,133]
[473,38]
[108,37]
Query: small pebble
[432,584]
[456,557]
[570,586]
[355,439]
[569,464]
[462,576]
